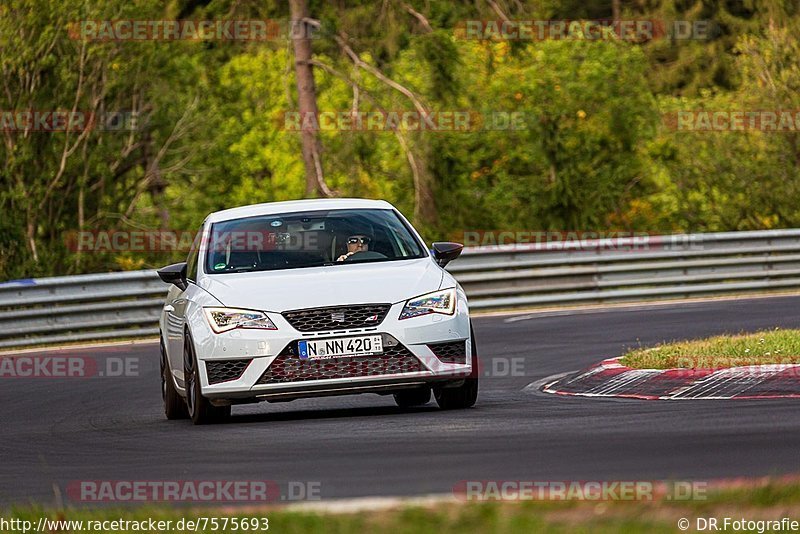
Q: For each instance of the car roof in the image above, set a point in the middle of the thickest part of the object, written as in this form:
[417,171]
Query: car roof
[316,204]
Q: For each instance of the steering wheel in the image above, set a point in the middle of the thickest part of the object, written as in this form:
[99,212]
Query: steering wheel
[366,255]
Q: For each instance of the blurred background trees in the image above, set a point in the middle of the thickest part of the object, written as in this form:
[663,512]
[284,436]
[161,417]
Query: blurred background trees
[590,150]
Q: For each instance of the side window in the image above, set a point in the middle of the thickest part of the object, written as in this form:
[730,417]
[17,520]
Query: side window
[194,252]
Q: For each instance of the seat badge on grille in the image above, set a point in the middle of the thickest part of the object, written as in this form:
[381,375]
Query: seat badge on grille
[337,317]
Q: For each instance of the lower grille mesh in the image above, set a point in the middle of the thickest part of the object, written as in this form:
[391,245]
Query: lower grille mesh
[288,367]
[225,370]
[450,352]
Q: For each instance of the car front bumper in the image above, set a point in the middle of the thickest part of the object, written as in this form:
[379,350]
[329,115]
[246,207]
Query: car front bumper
[262,353]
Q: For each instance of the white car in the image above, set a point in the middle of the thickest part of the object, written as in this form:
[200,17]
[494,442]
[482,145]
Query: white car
[308,298]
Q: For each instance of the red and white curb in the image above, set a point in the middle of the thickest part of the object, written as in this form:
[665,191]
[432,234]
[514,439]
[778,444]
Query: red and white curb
[609,378]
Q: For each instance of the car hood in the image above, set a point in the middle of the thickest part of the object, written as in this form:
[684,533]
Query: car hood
[312,287]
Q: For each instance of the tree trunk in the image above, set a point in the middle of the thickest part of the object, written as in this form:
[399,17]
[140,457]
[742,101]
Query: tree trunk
[615,12]
[30,234]
[155,184]
[307,99]
[157,187]
[424,201]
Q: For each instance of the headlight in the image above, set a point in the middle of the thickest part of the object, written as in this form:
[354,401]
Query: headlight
[224,319]
[443,301]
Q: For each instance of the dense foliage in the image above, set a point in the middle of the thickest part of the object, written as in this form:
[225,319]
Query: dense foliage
[592,148]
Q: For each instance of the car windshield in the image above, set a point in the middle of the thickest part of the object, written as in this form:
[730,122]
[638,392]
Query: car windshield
[309,239]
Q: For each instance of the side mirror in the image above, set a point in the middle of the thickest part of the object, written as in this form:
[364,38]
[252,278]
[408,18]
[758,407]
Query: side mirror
[174,274]
[444,252]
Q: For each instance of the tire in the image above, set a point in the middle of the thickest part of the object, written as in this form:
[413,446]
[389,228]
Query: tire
[465,395]
[412,397]
[200,409]
[174,405]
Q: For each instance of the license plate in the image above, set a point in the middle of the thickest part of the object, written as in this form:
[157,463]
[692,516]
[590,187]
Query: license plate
[342,347]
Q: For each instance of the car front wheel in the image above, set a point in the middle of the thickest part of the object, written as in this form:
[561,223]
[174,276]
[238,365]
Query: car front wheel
[201,411]
[174,405]
[465,395]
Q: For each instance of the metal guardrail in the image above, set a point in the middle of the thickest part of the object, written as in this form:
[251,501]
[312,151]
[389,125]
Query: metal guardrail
[127,304]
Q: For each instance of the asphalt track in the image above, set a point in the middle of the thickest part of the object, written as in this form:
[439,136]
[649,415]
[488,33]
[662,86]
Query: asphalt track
[55,431]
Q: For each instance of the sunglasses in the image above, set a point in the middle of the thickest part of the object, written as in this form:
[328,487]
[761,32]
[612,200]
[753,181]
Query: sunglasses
[362,240]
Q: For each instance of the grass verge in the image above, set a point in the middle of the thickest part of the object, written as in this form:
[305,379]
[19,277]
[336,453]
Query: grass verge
[766,500]
[760,348]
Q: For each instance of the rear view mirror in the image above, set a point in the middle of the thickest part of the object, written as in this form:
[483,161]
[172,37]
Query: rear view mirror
[444,252]
[174,274]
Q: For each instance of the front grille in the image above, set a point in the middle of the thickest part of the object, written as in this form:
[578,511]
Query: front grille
[225,370]
[337,317]
[288,367]
[450,352]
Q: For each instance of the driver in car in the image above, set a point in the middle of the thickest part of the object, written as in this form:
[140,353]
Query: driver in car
[355,243]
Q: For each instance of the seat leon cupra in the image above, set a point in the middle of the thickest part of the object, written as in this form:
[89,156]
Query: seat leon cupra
[309,298]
